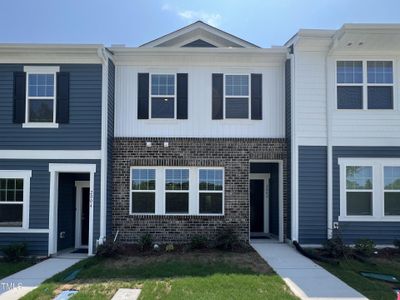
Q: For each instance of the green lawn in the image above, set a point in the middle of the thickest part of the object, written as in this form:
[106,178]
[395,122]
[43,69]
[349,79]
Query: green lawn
[348,270]
[192,275]
[8,268]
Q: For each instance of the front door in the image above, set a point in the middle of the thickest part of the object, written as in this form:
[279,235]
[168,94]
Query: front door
[85,217]
[257,205]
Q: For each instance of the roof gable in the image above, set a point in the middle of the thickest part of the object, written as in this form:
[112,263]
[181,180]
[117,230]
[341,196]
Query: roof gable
[199,30]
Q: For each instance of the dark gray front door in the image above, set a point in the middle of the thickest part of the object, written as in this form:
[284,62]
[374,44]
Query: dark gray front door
[85,217]
[257,205]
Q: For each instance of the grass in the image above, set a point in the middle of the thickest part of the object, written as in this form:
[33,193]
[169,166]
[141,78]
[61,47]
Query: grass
[187,275]
[8,268]
[349,271]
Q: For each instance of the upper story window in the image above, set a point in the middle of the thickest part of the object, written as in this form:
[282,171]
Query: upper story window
[163,96]
[237,96]
[364,84]
[41,100]
[14,199]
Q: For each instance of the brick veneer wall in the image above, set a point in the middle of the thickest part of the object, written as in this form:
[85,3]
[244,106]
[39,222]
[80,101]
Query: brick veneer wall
[234,154]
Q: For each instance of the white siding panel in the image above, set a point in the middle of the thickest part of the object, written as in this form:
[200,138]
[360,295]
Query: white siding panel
[199,123]
[310,98]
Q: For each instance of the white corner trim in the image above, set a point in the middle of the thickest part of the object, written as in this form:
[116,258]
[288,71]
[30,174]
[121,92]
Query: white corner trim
[26,176]
[104,135]
[40,125]
[50,154]
[41,69]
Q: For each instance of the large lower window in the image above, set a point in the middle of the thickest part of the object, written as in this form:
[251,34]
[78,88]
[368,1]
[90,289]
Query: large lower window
[143,195]
[392,191]
[177,191]
[163,96]
[237,94]
[210,191]
[359,190]
[364,84]
[14,198]
[369,189]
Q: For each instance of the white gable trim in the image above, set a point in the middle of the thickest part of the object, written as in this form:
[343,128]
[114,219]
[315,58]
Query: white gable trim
[199,25]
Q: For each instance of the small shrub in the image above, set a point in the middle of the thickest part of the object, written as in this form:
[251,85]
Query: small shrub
[365,247]
[396,243]
[146,242]
[109,249]
[227,239]
[169,248]
[15,252]
[198,242]
[335,247]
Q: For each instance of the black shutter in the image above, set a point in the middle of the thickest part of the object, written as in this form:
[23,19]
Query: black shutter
[62,105]
[256,96]
[217,96]
[19,97]
[143,96]
[182,96]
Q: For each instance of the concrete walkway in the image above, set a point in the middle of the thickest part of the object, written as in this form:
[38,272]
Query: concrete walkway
[19,284]
[306,279]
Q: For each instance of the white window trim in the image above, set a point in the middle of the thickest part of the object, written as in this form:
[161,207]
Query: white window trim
[209,191]
[177,191]
[365,85]
[160,191]
[40,70]
[163,96]
[377,165]
[156,208]
[26,176]
[225,96]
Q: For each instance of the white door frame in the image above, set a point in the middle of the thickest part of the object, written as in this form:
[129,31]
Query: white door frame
[264,177]
[280,175]
[78,212]
[55,169]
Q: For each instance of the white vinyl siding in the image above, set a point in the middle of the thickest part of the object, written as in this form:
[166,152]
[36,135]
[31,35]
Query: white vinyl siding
[199,122]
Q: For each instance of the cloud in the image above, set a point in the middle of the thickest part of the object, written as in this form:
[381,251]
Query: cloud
[190,16]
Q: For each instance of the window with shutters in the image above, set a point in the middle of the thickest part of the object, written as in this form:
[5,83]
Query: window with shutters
[162,96]
[40,108]
[364,84]
[14,199]
[237,96]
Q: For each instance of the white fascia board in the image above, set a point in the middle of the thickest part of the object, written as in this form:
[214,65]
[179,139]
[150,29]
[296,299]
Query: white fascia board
[50,154]
[164,50]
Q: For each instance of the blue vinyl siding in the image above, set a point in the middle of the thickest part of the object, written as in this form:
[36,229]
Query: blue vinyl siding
[37,243]
[312,194]
[84,128]
[110,137]
[380,232]
[39,193]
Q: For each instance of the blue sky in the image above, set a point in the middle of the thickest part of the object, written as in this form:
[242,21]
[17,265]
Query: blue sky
[133,22]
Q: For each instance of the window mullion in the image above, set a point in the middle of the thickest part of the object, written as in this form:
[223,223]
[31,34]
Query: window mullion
[160,191]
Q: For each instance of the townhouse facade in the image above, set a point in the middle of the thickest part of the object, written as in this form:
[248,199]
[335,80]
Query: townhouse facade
[198,131]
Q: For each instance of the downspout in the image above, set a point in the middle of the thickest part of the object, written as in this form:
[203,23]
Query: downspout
[101,52]
[329,148]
